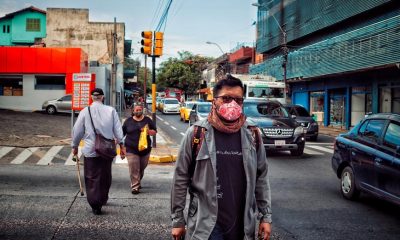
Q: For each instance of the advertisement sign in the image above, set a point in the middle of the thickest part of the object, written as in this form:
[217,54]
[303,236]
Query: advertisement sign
[82,85]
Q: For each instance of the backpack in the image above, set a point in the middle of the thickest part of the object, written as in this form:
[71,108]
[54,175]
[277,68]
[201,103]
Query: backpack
[198,138]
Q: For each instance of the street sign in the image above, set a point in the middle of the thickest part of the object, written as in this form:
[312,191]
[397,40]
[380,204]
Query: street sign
[82,85]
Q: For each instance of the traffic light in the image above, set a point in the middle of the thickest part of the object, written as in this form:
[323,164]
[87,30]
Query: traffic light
[158,45]
[147,42]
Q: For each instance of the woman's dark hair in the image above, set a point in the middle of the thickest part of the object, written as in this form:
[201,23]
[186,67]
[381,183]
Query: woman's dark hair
[229,81]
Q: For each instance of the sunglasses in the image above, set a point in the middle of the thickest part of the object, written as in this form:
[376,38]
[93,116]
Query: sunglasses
[228,99]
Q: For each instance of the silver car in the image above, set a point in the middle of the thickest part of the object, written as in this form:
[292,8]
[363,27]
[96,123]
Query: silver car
[63,104]
[200,110]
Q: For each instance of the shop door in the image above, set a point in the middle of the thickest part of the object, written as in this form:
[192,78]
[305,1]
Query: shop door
[337,114]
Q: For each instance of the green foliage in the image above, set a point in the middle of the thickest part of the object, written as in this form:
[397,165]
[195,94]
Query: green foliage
[183,72]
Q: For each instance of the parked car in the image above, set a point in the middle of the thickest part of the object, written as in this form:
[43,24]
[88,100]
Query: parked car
[149,100]
[63,104]
[170,105]
[367,158]
[184,111]
[280,132]
[303,117]
[199,112]
[158,103]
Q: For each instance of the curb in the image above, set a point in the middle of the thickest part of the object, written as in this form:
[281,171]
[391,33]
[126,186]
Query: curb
[153,159]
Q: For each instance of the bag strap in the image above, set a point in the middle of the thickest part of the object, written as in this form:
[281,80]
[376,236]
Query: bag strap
[197,140]
[91,120]
[256,135]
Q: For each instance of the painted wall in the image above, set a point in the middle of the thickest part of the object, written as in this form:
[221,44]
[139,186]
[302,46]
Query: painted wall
[18,28]
[32,99]
[5,38]
[70,27]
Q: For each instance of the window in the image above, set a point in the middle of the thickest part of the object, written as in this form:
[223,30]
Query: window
[50,82]
[392,138]
[33,25]
[8,28]
[4,28]
[11,86]
[372,129]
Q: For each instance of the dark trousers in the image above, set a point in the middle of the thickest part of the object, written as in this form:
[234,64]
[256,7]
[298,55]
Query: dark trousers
[97,180]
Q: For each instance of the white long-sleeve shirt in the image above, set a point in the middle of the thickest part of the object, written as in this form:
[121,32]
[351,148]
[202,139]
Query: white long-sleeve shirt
[106,122]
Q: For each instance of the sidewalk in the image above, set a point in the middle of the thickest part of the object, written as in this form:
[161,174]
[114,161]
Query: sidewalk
[331,131]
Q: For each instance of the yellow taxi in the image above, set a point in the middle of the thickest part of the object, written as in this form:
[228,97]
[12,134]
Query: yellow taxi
[184,111]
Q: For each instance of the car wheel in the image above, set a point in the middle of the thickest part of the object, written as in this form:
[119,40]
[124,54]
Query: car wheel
[348,184]
[298,152]
[51,110]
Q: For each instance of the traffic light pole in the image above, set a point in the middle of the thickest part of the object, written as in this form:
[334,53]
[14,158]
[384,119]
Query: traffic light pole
[153,92]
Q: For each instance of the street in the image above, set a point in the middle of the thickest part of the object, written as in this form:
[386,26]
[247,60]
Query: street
[39,199]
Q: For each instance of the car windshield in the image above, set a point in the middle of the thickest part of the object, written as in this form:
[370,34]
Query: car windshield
[189,105]
[266,92]
[301,112]
[254,109]
[171,101]
[204,108]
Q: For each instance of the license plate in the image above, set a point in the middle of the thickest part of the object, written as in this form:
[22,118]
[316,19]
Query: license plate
[280,142]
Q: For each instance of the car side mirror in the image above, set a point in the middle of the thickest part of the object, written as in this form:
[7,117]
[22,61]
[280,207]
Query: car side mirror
[294,116]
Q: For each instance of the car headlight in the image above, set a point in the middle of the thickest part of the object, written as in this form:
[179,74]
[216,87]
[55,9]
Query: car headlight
[299,130]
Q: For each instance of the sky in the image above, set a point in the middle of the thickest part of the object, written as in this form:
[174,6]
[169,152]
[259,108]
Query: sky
[190,23]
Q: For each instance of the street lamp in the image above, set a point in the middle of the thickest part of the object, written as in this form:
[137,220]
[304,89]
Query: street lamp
[227,67]
[285,50]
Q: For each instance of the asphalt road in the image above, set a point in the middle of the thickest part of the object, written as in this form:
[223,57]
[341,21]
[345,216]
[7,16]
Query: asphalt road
[42,202]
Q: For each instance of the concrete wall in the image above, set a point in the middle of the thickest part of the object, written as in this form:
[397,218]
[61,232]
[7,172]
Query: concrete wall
[70,27]
[31,99]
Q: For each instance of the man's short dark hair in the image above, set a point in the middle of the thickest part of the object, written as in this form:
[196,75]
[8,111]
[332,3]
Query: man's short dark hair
[229,81]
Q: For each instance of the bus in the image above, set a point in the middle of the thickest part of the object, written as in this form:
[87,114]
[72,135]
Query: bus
[263,87]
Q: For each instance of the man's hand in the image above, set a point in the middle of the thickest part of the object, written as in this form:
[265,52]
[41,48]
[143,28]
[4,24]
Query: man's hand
[122,151]
[264,231]
[178,233]
[74,151]
[152,132]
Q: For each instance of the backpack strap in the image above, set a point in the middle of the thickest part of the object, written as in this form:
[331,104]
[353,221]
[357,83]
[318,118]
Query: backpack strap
[197,140]
[256,134]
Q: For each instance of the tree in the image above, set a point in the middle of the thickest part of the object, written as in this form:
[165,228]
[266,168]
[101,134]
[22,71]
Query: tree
[183,72]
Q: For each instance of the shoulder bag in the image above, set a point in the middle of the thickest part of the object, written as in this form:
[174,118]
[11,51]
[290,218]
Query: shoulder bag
[105,147]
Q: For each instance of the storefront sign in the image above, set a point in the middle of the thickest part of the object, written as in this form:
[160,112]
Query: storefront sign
[82,85]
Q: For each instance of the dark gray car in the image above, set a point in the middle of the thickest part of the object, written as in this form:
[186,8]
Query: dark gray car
[305,119]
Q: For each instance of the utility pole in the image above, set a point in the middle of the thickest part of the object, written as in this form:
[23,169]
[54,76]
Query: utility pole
[145,81]
[114,67]
[153,94]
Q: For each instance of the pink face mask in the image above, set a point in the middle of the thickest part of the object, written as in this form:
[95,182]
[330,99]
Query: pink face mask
[230,111]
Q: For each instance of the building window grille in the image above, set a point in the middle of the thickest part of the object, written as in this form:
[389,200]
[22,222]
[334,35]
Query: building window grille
[33,25]
[50,82]
[11,86]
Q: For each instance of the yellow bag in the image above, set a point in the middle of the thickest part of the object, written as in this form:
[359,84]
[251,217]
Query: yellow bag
[143,139]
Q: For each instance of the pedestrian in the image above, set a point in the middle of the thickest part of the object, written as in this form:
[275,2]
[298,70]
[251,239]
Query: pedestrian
[97,169]
[222,163]
[137,160]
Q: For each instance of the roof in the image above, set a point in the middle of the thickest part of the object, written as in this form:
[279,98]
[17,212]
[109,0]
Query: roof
[391,116]
[31,9]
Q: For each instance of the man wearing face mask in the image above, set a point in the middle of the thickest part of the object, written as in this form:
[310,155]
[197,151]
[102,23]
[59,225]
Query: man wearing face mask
[137,160]
[228,178]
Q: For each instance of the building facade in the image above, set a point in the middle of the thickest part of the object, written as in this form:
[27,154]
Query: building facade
[23,28]
[340,58]
[30,76]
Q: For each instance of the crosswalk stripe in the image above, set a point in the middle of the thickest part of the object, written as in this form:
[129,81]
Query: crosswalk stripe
[182,134]
[159,118]
[46,159]
[5,150]
[24,155]
[311,152]
[69,159]
[322,149]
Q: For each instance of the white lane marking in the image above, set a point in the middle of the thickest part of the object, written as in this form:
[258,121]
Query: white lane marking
[69,159]
[24,155]
[322,149]
[311,152]
[166,123]
[159,118]
[46,159]
[5,150]
[182,134]
[173,127]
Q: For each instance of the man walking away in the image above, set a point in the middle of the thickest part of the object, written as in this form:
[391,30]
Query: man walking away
[223,164]
[97,170]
